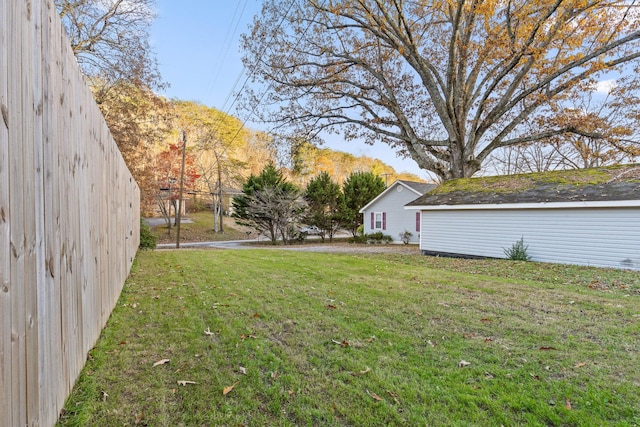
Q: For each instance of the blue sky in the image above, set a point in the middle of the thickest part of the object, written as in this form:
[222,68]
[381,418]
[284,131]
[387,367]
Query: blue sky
[197,44]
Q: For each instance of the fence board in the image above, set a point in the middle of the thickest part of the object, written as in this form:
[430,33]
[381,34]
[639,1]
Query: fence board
[16,226]
[69,214]
[5,248]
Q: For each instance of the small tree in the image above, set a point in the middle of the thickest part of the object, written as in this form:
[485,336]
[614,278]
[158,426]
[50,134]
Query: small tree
[270,204]
[358,190]
[323,198]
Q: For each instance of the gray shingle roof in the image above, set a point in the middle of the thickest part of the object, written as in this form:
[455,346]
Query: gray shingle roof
[420,187]
[597,184]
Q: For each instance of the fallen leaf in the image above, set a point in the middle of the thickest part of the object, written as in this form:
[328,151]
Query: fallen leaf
[331,307]
[580,365]
[535,377]
[357,374]
[256,315]
[394,395]
[243,370]
[488,340]
[547,348]
[567,403]
[374,396]
[291,392]
[485,320]
[184,383]
[208,331]
[139,418]
[104,395]
[463,363]
[226,390]
[371,339]
[274,375]
[161,362]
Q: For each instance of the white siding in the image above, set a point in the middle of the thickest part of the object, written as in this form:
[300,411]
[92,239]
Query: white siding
[602,237]
[398,218]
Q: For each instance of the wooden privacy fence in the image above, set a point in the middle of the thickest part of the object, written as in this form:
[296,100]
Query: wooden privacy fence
[69,216]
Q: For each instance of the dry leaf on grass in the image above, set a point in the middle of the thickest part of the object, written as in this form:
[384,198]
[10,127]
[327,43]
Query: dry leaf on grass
[184,383]
[104,395]
[139,418]
[208,332]
[374,396]
[357,374]
[343,343]
[161,362]
[226,390]
[243,370]
[580,365]
[463,363]
[567,403]
[394,396]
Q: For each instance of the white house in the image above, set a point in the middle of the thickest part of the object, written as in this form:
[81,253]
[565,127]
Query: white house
[386,212]
[586,217]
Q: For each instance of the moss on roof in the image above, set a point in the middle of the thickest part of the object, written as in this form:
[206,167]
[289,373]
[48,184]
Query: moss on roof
[620,182]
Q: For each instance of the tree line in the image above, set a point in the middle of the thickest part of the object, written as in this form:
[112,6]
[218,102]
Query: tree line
[461,87]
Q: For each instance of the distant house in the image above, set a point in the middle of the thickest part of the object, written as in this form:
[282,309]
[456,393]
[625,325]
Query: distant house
[586,217]
[386,212]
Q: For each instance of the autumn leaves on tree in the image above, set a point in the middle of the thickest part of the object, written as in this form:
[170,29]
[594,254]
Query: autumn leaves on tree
[447,82]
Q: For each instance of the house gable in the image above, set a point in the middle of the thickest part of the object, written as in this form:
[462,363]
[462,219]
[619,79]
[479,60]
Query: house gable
[386,212]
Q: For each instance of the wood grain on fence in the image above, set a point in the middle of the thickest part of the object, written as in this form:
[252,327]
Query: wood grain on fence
[69,216]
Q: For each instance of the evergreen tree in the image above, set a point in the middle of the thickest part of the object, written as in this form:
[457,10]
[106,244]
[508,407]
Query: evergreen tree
[270,204]
[323,198]
[359,189]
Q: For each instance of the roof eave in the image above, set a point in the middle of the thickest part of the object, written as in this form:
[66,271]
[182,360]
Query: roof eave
[542,205]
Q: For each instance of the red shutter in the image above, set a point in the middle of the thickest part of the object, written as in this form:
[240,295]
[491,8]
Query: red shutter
[418,221]
[384,220]
[373,220]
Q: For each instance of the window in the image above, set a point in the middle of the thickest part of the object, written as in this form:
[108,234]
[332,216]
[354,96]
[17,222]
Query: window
[378,220]
[378,224]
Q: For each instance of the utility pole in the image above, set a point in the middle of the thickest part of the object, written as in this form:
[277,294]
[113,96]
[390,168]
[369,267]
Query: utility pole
[179,213]
[220,210]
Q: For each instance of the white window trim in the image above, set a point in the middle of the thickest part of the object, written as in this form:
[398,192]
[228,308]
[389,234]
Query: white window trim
[375,220]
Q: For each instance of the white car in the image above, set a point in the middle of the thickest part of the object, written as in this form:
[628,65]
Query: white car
[310,229]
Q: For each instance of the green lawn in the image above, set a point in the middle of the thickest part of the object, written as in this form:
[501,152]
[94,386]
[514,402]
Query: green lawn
[201,230]
[363,340]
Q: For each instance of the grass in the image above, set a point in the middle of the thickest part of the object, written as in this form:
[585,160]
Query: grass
[363,340]
[201,230]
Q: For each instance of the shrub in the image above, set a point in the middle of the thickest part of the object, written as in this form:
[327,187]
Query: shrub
[378,237]
[405,236]
[147,238]
[517,251]
[358,238]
